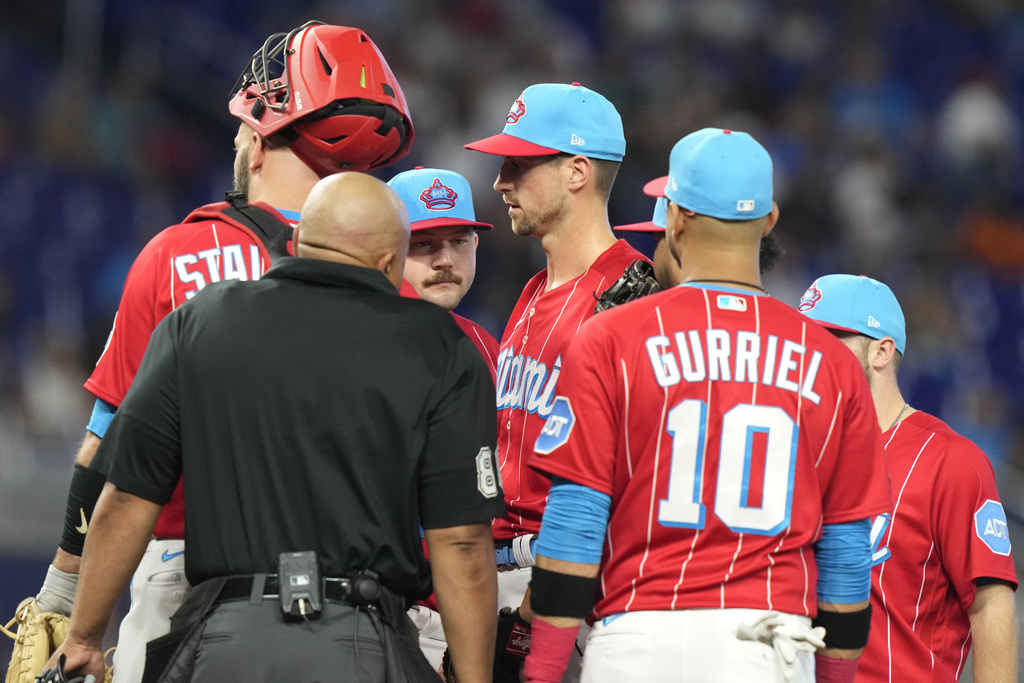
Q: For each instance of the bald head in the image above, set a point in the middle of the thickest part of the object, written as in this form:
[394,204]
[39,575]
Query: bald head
[354,218]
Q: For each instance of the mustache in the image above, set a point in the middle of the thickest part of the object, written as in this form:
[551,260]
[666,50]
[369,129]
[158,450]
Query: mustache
[443,276]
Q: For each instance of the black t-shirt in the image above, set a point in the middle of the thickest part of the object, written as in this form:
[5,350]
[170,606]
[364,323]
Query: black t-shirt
[314,409]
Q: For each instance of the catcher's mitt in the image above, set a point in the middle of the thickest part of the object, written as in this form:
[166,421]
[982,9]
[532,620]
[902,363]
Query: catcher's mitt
[510,649]
[39,634]
[638,280]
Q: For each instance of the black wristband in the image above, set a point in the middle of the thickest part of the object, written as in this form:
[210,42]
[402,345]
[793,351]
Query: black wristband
[86,486]
[845,630]
[554,594]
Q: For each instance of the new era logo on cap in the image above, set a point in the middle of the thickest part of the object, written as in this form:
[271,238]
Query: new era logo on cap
[549,118]
[872,322]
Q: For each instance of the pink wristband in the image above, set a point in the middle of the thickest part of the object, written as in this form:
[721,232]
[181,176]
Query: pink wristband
[550,649]
[832,670]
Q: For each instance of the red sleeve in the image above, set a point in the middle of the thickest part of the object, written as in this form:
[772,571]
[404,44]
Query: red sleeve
[968,521]
[170,270]
[143,304]
[853,474]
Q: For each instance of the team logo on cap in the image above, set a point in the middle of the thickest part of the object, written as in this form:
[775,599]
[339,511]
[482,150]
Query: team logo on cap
[810,298]
[438,197]
[517,110]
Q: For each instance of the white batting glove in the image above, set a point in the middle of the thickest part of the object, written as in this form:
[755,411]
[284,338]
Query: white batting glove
[786,636]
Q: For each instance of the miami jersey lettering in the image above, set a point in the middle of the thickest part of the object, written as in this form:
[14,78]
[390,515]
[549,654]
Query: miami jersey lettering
[726,434]
[529,365]
[945,530]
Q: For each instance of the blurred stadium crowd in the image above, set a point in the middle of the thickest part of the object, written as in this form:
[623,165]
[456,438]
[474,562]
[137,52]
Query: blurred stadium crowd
[896,128]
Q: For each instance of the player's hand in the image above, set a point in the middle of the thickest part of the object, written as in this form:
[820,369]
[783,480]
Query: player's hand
[79,660]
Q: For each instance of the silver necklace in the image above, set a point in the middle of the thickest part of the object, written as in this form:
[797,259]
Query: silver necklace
[905,406]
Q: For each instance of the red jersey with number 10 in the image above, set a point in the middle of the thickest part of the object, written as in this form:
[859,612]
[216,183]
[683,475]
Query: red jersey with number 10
[529,362]
[727,429]
[170,269]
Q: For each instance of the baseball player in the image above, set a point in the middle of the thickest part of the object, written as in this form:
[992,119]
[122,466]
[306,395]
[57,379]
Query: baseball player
[561,148]
[441,266]
[943,574]
[314,101]
[714,460]
[665,269]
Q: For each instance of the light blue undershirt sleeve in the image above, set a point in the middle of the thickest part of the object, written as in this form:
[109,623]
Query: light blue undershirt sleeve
[102,414]
[574,524]
[843,555]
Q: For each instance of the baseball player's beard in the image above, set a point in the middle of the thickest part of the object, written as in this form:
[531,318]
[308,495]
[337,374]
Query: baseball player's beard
[527,224]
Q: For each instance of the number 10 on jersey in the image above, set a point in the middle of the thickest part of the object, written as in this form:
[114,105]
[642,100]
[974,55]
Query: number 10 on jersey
[687,425]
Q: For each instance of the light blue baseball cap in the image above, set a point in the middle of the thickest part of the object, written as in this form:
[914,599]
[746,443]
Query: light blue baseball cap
[549,118]
[716,172]
[656,225]
[436,198]
[855,303]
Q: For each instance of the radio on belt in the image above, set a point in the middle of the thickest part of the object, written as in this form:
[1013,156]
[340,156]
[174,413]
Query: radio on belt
[301,585]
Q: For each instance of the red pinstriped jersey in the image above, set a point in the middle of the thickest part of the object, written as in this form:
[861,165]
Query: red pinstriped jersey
[485,343]
[727,429]
[529,362]
[170,269]
[945,530]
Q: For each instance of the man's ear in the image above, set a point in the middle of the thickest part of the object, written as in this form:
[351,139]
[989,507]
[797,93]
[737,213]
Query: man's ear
[773,218]
[675,221]
[258,152]
[580,172]
[884,354]
[392,267]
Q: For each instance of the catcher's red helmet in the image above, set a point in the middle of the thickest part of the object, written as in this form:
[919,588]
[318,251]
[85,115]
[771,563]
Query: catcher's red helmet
[330,93]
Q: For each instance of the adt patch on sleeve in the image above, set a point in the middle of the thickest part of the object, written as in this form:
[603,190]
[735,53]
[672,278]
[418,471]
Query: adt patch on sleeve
[990,525]
[557,428]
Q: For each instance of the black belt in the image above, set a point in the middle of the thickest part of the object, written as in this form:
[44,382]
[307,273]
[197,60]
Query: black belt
[238,587]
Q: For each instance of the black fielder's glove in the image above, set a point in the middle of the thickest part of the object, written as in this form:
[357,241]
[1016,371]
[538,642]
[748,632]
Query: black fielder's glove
[638,280]
[510,649]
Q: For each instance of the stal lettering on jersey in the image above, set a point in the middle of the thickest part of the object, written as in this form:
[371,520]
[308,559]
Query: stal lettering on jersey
[727,428]
[182,259]
[946,529]
[529,362]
